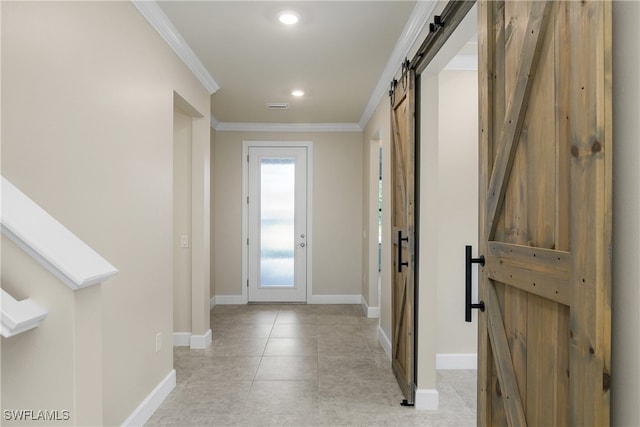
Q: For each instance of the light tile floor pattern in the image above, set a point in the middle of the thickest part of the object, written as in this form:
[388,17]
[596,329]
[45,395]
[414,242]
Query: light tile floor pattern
[300,365]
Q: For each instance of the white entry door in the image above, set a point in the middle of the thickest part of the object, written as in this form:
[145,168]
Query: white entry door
[277,230]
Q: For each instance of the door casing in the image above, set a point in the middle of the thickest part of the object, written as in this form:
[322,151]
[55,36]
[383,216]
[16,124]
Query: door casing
[245,209]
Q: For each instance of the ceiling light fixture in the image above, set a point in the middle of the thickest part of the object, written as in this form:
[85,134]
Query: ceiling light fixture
[288,17]
[297,93]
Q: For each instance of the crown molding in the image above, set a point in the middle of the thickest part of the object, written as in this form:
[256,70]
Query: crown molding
[163,25]
[284,127]
[414,26]
[214,122]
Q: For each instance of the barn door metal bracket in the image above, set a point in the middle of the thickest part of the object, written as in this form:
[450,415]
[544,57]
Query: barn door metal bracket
[400,240]
[405,402]
[468,304]
[436,24]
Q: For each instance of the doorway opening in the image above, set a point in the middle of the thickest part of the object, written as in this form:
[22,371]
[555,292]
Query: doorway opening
[446,201]
[182,213]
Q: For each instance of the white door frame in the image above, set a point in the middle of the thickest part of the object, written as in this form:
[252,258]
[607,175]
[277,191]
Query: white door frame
[245,209]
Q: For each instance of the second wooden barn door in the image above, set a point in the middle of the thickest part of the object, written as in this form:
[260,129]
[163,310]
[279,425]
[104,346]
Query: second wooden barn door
[403,229]
[545,213]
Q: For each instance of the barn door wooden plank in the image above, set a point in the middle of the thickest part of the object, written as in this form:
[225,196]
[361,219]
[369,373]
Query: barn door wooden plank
[489,42]
[562,208]
[512,225]
[590,133]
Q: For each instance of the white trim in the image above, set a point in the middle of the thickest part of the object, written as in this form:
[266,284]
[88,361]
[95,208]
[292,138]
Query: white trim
[285,127]
[334,299]
[229,300]
[384,341]
[152,402]
[18,316]
[212,302]
[214,122]
[427,399]
[200,342]
[370,312]
[417,20]
[163,25]
[49,242]
[181,339]
[456,361]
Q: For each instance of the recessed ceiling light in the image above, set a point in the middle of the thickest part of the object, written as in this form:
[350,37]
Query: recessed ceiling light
[288,17]
[297,93]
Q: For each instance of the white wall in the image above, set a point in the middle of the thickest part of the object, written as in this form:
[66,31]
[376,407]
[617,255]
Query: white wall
[457,205]
[337,210]
[625,364]
[87,114]
[45,387]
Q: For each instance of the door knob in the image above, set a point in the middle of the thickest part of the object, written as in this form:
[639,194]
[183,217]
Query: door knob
[302,245]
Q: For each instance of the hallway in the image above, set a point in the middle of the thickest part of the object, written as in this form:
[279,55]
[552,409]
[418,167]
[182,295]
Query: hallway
[300,365]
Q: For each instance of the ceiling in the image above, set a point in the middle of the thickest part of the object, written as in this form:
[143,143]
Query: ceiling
[337,54]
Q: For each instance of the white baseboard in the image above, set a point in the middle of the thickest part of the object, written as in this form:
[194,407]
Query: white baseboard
[426,400]
[313,299]
[145,410]
[228,300]
[200,342]
[212,302]
[384,341]
[334,299]
[370,312]
[181,339]
[456,361]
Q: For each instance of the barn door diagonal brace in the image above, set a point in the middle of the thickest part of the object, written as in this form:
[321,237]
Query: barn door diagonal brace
[516,112]
[503,362]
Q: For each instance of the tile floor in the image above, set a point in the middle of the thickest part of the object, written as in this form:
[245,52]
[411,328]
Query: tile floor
[300,365]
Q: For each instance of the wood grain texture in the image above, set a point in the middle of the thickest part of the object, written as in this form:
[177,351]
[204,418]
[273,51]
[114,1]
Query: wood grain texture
[403,221]
[516,110]
[504,366]
[545,221]
[590,227]
[514,265]
[514,216]
[486,13]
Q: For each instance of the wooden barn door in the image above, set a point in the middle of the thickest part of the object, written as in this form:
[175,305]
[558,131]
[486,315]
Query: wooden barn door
[403,229]
[545,213]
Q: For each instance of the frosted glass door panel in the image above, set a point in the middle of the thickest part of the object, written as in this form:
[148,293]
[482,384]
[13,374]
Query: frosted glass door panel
[277,241]
[277,222]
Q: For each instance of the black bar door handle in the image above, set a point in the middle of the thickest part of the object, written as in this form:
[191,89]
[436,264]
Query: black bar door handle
[468,304]
[400,240]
